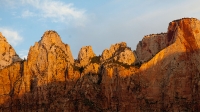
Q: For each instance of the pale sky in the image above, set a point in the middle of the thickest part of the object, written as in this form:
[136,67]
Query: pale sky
[98,23]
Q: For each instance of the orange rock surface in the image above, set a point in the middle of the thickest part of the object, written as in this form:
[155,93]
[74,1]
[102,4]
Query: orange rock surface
[166,79]
[7,53]
[85,55]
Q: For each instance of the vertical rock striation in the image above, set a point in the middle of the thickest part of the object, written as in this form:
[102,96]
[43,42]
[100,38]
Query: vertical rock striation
[172,75]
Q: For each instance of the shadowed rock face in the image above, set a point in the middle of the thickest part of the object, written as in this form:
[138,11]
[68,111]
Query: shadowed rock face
[50,80]
[7,53]
[150,46]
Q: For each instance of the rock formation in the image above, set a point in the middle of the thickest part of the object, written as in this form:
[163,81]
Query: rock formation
[127,57]
[7,53]
[113,50]
[150,46]
[168,78]
[172,74]
[48,61]
[119,52]
[85,55]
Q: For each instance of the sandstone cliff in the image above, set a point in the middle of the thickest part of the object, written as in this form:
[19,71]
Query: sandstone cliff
[151,45]
[167,79]
[7,53]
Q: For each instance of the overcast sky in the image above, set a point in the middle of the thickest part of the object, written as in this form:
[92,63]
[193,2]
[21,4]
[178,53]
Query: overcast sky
[98,23]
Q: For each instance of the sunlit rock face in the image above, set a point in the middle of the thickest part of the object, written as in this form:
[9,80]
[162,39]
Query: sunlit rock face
[172,75]
[7,53]
[113,50]
[49,59]
[167,80]
[119,52]
[85,55]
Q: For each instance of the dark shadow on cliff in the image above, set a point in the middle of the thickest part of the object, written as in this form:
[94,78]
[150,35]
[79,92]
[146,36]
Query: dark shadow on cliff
[175,87]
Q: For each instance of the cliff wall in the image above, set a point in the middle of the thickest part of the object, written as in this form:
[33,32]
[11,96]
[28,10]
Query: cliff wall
[161,75]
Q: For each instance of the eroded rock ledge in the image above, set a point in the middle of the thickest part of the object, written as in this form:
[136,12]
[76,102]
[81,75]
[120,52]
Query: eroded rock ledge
[162,74]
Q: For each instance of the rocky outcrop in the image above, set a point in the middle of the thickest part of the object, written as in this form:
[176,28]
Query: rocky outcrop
[85,55]
[119,52]
[50,81]
[113,50]
[151,45]
[126,57]
[154,43]
[172,75]
[7,53]
[49,59]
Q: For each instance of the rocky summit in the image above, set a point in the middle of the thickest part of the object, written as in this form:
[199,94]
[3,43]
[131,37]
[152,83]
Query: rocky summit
[162,74]
[7,53]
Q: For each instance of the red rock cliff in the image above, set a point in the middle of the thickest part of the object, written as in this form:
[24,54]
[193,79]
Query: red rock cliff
[168,78]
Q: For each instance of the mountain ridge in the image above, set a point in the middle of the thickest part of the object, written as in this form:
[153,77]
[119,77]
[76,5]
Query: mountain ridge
[162,74]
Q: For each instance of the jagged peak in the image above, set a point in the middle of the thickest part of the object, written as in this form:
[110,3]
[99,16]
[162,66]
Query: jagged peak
[50,37]
[85,54]
[50,43]
[115,47]
[50,32]
[165,65]
[85,51]
[119,52]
